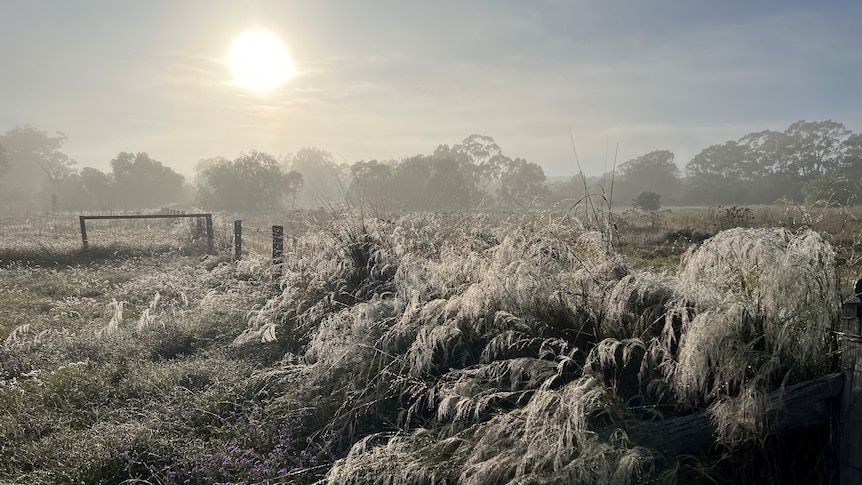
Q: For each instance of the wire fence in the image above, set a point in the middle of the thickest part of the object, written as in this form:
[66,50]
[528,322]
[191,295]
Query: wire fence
[29,236]
[25,235]
[257,239]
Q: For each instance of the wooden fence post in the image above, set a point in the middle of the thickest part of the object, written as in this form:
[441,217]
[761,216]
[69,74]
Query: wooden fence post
[278,249]
[209,223]
[237,240]
[83,221]
[850,458]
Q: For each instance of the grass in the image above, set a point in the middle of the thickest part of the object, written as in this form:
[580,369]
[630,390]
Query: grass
[469,348]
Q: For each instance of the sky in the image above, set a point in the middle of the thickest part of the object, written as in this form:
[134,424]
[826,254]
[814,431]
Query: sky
[391,79]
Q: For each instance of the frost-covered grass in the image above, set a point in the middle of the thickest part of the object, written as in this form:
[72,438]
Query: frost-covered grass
[416,348]
[54,239]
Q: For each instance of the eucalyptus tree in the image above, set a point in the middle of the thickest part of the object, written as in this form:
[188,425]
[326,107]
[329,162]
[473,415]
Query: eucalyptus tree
[322,181]
[253,181]
[32,163]
[653,172]
[523,183]
[141,182]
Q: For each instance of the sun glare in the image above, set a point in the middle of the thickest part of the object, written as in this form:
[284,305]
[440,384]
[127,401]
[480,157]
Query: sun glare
[260,61]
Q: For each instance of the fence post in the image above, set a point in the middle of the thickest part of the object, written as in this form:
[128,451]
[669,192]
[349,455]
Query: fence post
[278,249]
[209,223]
[850,458]
[83,221]
[237,240]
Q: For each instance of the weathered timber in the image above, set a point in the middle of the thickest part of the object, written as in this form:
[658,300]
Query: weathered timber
[278,249]
[146,216]
[850,457]
[237,240]
[84,242]
[794,407]
[208,220]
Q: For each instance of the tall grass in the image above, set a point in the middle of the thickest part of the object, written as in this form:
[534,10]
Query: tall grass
[496,339]
[421,348]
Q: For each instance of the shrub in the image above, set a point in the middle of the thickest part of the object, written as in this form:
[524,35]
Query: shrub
[648,201]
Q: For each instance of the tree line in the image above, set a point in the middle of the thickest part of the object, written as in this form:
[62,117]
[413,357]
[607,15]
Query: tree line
[35,173]
[809,162]
[817,162]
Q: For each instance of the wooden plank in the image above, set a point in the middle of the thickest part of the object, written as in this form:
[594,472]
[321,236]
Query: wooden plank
[146,216]
[796,407]
[850,457]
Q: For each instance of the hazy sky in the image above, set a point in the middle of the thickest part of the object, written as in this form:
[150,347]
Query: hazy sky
[391,79]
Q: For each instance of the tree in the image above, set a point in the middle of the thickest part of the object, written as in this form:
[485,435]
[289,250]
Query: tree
[653,172]
[829,191]
[522,183]
[4,162]
[254,181]
[436,182]
[718,162]
[819,147]
[34,163]
[98,186]
[142,182]
[371,183]
[482,158]
[293,183]
[579,190]
[660,160]
[766,153]
[852,149]
[320,173]
[88,189]
[851,164]
[648,201]
[716,174]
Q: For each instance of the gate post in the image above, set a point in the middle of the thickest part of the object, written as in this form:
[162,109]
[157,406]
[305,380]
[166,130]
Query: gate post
[278,249]
[237,240]
[83,221]
[209,223]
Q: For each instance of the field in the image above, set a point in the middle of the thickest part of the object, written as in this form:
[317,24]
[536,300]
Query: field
[418,348]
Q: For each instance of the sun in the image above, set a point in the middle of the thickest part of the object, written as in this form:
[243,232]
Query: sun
[260,61]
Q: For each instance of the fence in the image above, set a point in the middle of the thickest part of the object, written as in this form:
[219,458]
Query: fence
[850,457]
[277,244]
[207,218]
[824,401]
[47,237]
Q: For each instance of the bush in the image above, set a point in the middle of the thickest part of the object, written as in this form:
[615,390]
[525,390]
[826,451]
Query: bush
[648,201]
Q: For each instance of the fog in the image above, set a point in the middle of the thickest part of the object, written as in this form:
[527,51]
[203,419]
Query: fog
[98,84]
[816,163]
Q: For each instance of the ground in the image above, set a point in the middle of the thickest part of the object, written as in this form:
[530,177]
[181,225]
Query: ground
[178,367]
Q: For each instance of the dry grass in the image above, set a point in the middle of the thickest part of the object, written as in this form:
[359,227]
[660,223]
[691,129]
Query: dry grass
[414,348]
[55,239]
